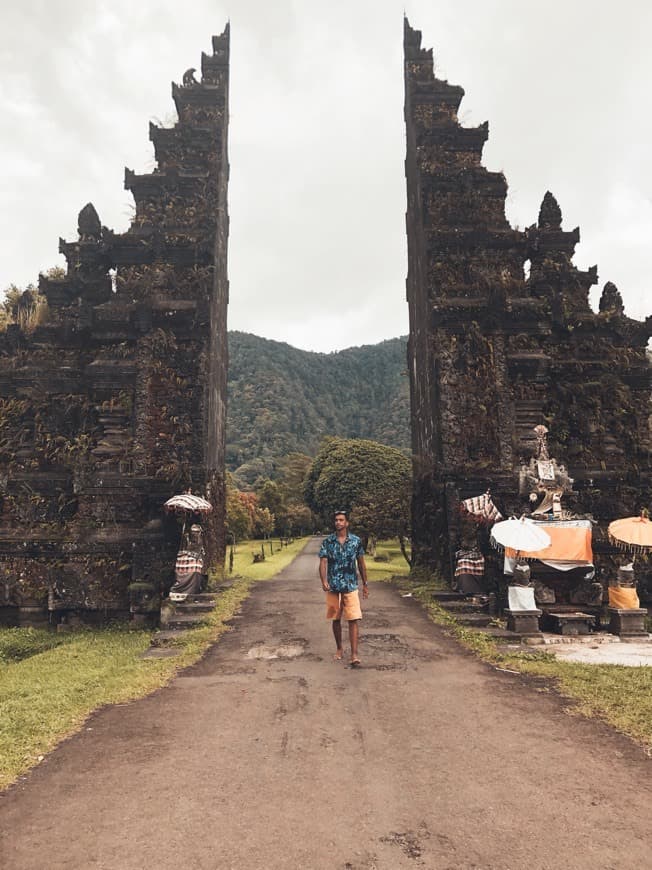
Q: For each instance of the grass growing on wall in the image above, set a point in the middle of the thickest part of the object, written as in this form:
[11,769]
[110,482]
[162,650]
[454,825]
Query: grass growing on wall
[50,683]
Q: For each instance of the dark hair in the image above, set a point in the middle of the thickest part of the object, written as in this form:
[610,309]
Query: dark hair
[344,514]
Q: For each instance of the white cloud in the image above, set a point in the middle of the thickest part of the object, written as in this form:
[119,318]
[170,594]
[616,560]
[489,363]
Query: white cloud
[317,194]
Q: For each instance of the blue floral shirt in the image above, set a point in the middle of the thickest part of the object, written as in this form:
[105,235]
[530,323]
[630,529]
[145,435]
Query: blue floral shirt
[342,576]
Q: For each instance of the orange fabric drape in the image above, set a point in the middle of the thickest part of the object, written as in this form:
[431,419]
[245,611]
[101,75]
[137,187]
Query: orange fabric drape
[624,598]
[566,544]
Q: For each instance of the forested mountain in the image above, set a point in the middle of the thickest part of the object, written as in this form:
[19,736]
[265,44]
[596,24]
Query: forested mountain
[284,400]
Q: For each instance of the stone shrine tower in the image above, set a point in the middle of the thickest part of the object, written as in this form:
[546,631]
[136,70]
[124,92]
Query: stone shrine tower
[117,400]
[495,349]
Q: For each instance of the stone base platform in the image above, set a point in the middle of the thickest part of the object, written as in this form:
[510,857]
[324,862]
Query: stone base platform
[523,622]
[569,623]
[628,624]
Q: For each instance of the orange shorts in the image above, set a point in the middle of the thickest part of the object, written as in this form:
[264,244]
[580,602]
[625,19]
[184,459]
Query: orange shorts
[346,604]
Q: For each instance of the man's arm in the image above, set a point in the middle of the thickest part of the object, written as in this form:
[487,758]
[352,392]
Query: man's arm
[363,573]
[323,573]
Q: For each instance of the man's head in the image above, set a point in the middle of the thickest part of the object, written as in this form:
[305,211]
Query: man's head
[340,520]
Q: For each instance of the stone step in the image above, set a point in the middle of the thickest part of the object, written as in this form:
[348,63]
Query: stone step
[500,634]
[194,606]
[473,620]
[166,637]
[201,597]
[185,620]
[464,607]
[446,595]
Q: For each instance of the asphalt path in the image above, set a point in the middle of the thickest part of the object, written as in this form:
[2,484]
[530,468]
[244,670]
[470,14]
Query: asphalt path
[269,754]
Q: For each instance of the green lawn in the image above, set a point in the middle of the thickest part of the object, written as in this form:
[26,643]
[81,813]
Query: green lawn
[49,683]
[383,570]
[244,565]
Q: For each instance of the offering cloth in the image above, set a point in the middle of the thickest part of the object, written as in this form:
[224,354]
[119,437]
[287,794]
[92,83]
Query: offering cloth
[570,545]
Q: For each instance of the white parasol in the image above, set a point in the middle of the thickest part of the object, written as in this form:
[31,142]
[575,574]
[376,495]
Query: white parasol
[521,535]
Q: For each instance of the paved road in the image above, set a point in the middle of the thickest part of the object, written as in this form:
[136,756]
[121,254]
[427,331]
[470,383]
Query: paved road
[424,757]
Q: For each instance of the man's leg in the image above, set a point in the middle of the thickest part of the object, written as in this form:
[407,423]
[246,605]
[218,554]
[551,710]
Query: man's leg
[337,632]
[334,607]
[353,639]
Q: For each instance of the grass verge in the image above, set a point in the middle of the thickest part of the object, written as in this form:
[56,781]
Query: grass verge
[50,683]
[388,562]
[616,694]
[244,565]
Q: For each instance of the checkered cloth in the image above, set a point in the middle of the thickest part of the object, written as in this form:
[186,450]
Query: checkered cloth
[483,508]
[469,562]
[188,562]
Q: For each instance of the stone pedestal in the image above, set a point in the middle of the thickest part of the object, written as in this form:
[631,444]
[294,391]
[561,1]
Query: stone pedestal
[524,622]
[628,624]
[569,624]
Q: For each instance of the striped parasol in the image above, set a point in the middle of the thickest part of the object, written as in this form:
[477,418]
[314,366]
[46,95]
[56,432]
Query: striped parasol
[482,508]
[188,503]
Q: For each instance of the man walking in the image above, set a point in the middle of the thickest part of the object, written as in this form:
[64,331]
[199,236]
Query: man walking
[338,557]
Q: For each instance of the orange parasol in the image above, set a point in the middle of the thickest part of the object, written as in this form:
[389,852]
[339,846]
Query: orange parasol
[633,534]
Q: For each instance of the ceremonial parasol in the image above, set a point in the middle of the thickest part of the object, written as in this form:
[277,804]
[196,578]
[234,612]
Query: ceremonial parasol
[482,508]
[633,534]
[521,535]
[188,503]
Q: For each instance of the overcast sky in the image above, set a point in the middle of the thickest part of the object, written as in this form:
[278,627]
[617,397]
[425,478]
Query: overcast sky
[317,253]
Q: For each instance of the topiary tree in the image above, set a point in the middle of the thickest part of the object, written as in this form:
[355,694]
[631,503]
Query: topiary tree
[368,479]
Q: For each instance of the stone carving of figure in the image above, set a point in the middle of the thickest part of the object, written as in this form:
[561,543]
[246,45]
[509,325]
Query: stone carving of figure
[520,593]
[611,300]
[588,591]
[89,226]
[626,575]
[549,481]
[622,592]
[189,78]
[522,575]
[189,568]
[541,432]
[544,594]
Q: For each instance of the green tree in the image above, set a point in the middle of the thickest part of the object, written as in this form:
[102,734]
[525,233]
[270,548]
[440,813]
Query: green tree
[238,517]
[264,522]
[368,479]
[298,520]
[293,470]
[269,495]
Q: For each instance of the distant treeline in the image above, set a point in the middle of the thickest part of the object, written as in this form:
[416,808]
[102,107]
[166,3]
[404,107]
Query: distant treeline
[284,400]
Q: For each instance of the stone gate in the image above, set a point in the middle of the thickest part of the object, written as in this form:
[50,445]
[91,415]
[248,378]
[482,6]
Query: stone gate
[503,339]
[117,400]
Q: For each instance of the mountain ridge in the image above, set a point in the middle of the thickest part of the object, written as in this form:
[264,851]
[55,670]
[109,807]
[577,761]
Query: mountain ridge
[283,399]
